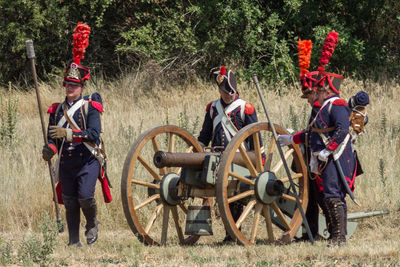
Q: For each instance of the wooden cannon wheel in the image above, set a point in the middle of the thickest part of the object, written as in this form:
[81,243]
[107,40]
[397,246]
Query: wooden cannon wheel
[254,201]
[147,214]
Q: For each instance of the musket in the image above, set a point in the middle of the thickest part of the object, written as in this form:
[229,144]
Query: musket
[30,52]
[292,185]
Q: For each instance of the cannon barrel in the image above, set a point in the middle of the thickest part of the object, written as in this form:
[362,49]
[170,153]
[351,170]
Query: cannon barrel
[192,160]
[366,214]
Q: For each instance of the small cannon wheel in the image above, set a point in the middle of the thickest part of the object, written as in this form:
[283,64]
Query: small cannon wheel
[147,214]
[261,190]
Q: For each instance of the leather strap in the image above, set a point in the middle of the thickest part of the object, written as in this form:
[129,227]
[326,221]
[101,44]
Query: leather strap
[75,128]
[326,130]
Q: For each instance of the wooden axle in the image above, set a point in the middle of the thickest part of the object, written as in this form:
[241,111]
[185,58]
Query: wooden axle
[193,160]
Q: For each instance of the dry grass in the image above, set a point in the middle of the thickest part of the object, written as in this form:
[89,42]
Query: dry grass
[131,109]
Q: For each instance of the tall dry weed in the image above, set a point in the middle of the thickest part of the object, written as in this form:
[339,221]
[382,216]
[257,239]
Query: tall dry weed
[131,107]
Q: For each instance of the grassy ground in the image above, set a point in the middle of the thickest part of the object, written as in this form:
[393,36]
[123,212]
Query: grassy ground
[130,109]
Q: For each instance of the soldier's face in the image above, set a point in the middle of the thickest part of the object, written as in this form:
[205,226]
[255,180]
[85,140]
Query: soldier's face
[227,98]
[73,91]
[311,97]
[322,94]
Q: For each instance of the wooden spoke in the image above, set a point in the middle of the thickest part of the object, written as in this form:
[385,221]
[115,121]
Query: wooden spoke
[268,160]
[171,145]
[140,186]
[289,197]
[247,161]
[153,218]
[177,170]
[256,221]
[258,151]
[280,215]
[156,147]
[245,212]
[153,173]
[228,179]
[177,224]
[151,185]
[280,163]
[268,222]
[240,196]
[241,178]
[295,176]
[165,225]
[147,201]
[183,207]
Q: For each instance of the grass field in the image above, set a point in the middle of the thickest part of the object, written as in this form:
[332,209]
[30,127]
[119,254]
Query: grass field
[130,109]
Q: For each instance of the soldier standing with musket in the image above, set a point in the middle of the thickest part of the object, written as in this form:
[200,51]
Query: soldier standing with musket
[74,133]
[332,156]
[308,89]
[224,118]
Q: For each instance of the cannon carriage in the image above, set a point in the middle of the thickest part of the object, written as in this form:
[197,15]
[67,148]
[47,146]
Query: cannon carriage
[170,184]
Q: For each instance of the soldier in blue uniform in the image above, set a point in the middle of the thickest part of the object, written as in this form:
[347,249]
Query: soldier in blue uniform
[224,118]
[73,133]
[239,112]
[330,140]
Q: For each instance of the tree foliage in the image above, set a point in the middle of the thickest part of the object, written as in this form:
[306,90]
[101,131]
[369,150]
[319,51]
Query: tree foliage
[185,37]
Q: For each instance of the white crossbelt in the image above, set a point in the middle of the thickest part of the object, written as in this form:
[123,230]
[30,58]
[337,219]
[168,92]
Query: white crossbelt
[339,150]
[70,113]
[222,117]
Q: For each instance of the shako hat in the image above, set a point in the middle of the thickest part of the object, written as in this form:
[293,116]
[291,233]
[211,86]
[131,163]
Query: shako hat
[226,80]
[74,72]
[307,78]
[332,80]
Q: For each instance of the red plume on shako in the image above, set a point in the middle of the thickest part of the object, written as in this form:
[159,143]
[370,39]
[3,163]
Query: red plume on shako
[76,73]
[325,78]
[307,78]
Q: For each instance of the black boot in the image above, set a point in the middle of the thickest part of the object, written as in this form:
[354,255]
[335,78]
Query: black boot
[328,220]
[336,210]
[89,209]
[73,216]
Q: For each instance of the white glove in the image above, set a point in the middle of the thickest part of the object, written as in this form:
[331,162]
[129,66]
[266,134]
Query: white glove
[285,140]
[324,155]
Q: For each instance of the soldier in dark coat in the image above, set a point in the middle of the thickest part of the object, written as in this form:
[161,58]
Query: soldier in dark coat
[73,134]
[239,112]
[224,118]
[329,141]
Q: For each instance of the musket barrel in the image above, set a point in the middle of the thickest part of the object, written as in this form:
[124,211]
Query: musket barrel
[163,159]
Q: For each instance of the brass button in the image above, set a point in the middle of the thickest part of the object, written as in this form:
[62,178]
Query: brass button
[80,154]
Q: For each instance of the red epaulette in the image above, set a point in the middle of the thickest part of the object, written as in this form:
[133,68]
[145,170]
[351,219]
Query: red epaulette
[249,109]
[208,106]
[97,105]
[52,108]
[317,104]
[340,102]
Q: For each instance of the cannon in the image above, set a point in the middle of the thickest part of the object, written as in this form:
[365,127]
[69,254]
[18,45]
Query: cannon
[170,184]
